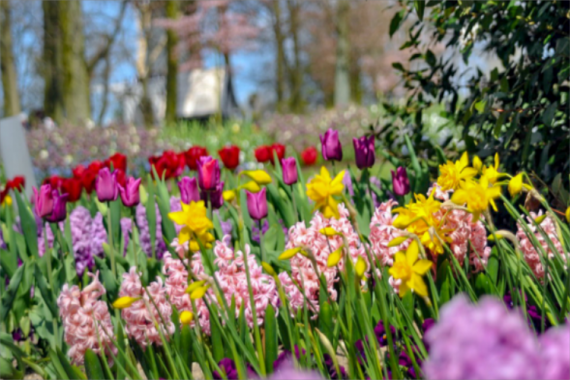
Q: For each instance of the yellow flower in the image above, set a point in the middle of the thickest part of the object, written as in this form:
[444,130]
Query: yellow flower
[516,184]
[268,268]
[259,176]
[288,254]
[477,163]
[329,231]
[322,190]
[334,258]
[196,224]
[186,317]
[477,196]
[360,267]
[7,201]
[193,286]
[568,214]
[410,270]
[229,195]
[492,172]
[397,241]
[199,293]
[418,216]
[434,238]
[251,186]
[124,302]
[453,173]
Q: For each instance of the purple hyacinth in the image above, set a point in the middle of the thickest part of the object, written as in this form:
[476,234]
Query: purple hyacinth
[484,341]
[126,228]
[329,365]
[228,366]
[264,229]
[175,206]
[534,317]
[347,182]
[555,353]
[284,368]
[98,235]
[2,242]
[87,236]
[144,232]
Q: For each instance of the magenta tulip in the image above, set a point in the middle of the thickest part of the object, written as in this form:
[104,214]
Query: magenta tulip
[130,193]
[208,173]
[400,181]
[59,211]
[106,185]
[257,204]
[364,151]
[189,190]
[289,166]
[330,146]
[43,200]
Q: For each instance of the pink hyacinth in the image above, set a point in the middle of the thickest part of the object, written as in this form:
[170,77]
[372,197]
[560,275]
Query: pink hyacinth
[176,283]
[531,255]
[142,317]
[86,320]
[320,246]
[233,281]
[382,232]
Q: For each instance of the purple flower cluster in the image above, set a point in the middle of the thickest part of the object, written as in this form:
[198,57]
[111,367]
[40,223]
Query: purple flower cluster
[87,235]
[488,341]
[144,232]
[264,229]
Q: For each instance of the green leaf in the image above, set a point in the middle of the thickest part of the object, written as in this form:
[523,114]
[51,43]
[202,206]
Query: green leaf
[10,292]
[93,368]
[420,6]
[29,227]
[395,23]
[216,336]
[271,343]
[548,114]
[47,294]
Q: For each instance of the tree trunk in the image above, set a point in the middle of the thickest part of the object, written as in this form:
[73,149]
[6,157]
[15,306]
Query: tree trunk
[296,74]
[355,85]
[342,76]
[52,66]
[75,76]
[280,56]
[143,63]
[9,82]
[172,64]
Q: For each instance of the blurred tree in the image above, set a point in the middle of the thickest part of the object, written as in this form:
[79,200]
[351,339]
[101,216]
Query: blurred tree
[296,70]
[9,82]
[172,11]
[342,75]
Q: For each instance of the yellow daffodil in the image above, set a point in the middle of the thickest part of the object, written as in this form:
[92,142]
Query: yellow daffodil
[516,184]
[434,238]
[492,172]
[196,225]
[334,258]
[199,292]
[251,186]
[418,216]
[125,302]
[329,231]
[259,176]
[322,190]
[452,174]
[477,196]
[193,286]
[229,195]
[288,254]
[268,268]
[477,164]
[186,317]
[568,214]
[410,270]
[360,267]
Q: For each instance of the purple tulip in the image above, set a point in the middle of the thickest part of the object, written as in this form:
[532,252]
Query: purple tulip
[289,166]
[364,151]
[59,211]
[43,200]
[330,145]
[106,185]
[215,196]
[130,193]
[208,173]
[400,181]
[189,190]
[257,204]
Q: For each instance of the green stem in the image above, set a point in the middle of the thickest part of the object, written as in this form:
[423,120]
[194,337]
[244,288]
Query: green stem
[110,234]
[294,204]
[261,241]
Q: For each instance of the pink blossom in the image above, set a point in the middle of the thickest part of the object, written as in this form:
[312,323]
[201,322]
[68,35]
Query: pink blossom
[86,320]
[531,255]
[142,316]
[382,232]
[320,246]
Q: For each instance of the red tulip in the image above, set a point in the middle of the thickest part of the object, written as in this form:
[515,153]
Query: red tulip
[55,181]
[193,154]
[229,156]
[279,150]
[89,176]
[78,171]
[73,187]
[118,160]
[264,153]
[16,183]
[309,156]
[120,177]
